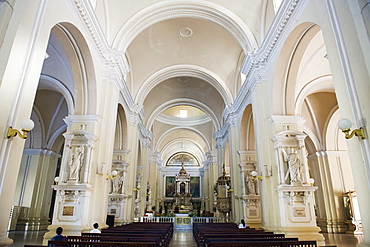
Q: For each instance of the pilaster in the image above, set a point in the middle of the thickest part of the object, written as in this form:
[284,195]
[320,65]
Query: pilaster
[73,206]
[38,216]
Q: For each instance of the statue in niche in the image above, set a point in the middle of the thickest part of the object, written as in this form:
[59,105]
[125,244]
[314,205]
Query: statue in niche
[75,162]
[294,165]
[251,186]
[117,183]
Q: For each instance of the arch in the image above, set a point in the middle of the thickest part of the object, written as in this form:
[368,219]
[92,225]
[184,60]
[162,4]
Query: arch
[247,138]
[184,70]
[165,10]
[80,59]
[167,152]
[287,68]
[172,130]
[121,136]
[53,84]
[189,102]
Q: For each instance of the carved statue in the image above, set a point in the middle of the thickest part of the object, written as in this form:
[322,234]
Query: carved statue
[294,164]
[75,162]
[117,184]
[251,186]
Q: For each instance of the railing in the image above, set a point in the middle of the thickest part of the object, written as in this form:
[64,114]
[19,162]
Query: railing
[192,219]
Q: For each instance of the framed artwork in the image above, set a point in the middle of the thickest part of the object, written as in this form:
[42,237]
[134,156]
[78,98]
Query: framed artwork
[183,157]
[170,186]
[195,187]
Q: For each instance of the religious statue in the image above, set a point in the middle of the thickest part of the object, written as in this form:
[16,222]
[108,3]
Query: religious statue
[75,162]
[251,186]
[117,184]
[294,164]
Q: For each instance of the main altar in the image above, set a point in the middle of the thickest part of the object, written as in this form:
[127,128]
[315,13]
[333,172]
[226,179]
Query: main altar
[183,202]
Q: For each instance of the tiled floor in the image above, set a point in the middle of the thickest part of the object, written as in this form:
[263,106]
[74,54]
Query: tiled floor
[182,238]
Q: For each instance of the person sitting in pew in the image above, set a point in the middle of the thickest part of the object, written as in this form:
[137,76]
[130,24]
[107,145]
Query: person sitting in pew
[59,236]
[96,228]
[242,224]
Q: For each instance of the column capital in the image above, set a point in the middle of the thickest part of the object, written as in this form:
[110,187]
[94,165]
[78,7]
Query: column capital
[287,120]
[82,120]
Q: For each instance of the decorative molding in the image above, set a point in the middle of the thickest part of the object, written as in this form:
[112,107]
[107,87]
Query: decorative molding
[145,136]
[221,136]
[181,70]
[109,55]
[189,121]
[184,101]
[261,56]
[297,193]
[255,64]
[37,151]
[166,10]
[81,119]
[287,120]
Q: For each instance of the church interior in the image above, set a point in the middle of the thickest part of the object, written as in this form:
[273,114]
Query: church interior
[185,111]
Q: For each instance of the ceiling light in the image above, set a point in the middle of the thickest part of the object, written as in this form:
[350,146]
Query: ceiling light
[183,113]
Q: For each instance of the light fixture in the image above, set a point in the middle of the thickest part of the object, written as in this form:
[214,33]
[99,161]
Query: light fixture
[183,113]
[113,176]
[345,125]
[255,175]
[311,181]
[56,180]
[27,125]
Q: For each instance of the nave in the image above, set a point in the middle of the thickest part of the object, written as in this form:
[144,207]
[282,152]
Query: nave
[182,238]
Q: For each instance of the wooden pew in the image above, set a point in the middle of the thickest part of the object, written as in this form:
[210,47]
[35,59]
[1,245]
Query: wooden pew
[209,242]
[265,244]
[99,244]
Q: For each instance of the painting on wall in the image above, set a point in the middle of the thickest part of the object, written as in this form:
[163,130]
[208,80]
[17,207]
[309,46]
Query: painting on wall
[170,186]
[195,187]
[179,158]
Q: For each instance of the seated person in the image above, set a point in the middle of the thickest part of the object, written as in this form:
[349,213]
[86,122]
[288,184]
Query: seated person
[242,224]
[59,236]
[95,230]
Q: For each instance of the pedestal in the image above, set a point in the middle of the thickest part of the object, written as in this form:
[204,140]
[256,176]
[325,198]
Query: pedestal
[116,205]
[297,213]
[71,209]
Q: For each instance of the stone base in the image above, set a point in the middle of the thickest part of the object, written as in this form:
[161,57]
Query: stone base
[5,241]
[33,224]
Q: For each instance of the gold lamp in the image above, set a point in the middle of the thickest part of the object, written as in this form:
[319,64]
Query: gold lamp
[345,125]
[27,125]
[255,175]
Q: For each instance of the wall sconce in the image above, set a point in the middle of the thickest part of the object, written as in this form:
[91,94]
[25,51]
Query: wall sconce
[27,125]
[345,125]
[113,176]
[56,180]
[255,175]
[311,181]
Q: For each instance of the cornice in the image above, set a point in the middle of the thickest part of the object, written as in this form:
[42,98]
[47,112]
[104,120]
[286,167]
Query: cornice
[115,63]
[110,56]
[145,136]
[81,119]
[221,136]
[279,24]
